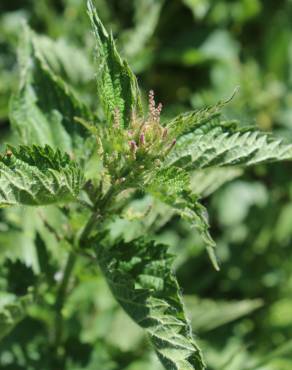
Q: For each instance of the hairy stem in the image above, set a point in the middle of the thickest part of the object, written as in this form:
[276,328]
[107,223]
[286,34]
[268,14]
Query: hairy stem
[99,208]
[87,229]
[60,300]
[63,288]
[96,215]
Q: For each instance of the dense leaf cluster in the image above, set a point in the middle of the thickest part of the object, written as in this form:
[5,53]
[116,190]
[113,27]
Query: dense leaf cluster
[113,175]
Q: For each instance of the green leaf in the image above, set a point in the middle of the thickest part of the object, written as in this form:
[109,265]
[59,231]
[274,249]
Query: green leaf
[135,39]
[117,85]
[172,186]
[207,181]
[44,108]
[140,277]
[207,314]
[169,184]
[12,313]
[199,8]
[187,122]
[65,60]
[37,176]
[280,352]
[216,143]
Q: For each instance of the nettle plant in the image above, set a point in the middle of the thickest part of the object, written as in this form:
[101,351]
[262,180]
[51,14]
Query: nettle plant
[92,166]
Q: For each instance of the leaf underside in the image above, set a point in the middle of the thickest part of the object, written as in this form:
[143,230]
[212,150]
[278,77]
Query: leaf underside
[140,277]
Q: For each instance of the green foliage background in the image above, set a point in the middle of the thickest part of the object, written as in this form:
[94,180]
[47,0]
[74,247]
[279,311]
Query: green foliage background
[192,53]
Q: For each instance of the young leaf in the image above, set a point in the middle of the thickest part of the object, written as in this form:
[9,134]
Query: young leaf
[205,118]
[187,122]
[117,85]
[140,277]
[215,143]
[37,176]
[43,110]
[12,313]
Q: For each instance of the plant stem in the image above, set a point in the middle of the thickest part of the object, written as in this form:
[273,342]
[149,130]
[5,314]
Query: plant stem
[99,208]
[87,229]
[60,300]
[61,295]
[62,291]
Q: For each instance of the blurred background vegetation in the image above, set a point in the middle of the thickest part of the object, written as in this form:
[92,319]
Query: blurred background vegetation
[192,53]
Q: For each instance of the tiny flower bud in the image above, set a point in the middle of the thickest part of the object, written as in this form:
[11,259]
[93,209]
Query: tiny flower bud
[133,147]
[151,105]
[158,112]
[172,144]
[164,133]
[142,139]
